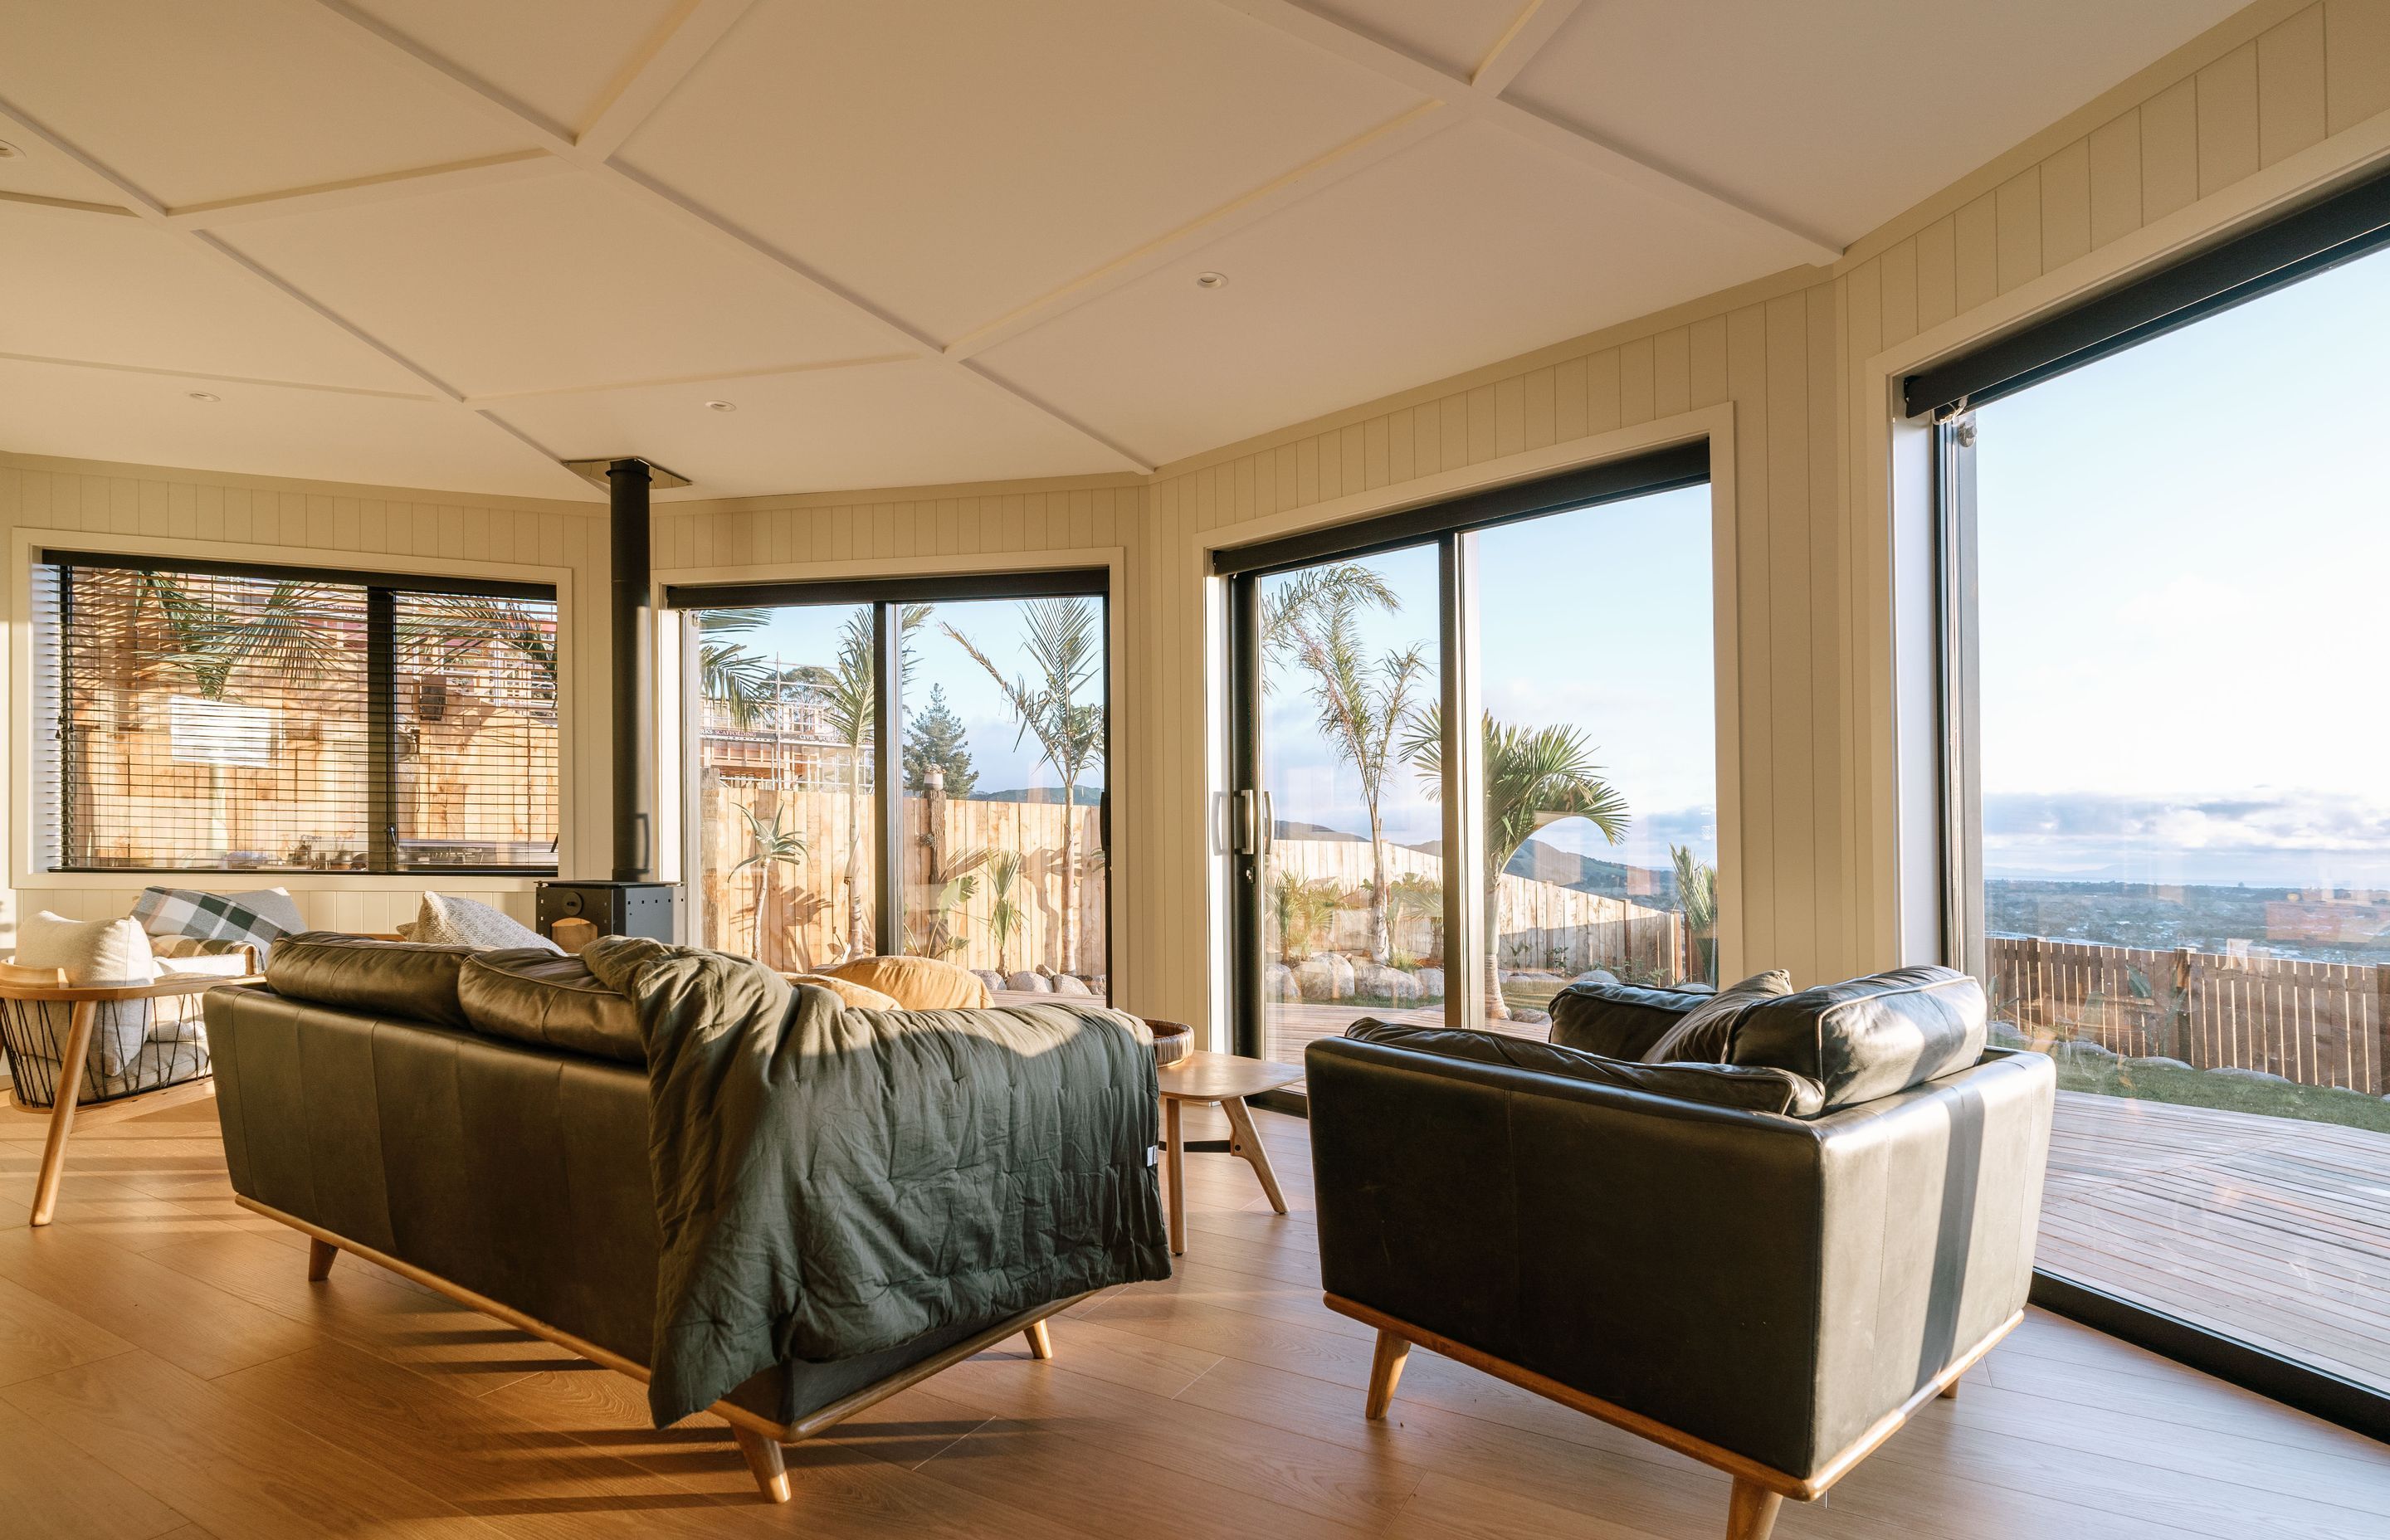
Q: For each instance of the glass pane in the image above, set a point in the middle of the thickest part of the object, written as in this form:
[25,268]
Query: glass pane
[1600,744]
[474,723]
[1352,882]
[2186,828]
[784,825]
[1005,715]
[205,722]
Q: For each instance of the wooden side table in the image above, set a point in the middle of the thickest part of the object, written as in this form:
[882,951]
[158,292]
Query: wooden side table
[1227,1079]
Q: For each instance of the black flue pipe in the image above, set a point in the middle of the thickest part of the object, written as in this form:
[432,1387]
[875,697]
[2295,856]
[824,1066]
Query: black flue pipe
[634,723]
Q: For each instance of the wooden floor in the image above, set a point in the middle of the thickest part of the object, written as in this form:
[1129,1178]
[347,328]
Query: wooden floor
[2270,1229]
[166,1370]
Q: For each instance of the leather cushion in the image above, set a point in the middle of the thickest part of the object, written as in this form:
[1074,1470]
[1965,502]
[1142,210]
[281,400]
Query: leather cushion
[916,983]
[848,992]
[1868,1037]
[414,980]
[1705,1034]
[1749,1090]
[534,996]
[1617,1021]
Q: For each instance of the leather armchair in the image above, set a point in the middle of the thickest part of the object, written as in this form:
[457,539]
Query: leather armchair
[1770,1293]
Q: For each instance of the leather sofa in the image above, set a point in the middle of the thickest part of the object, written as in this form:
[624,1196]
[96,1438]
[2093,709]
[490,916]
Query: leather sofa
[1767,1260]
[368,1099]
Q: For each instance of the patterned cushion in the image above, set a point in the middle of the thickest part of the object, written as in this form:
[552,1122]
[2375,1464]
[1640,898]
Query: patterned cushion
[209,916]
[444,920]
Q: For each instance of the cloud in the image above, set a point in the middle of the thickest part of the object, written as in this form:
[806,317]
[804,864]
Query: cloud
[2291,837]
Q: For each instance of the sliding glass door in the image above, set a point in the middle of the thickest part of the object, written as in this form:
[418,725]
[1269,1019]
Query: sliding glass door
[959,813]
[1388,866]
[2171,831]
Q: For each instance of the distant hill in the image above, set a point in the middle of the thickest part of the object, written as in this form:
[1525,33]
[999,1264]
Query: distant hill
[1538,862]
[1087,796]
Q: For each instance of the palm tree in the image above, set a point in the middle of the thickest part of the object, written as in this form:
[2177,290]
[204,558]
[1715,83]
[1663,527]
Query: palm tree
[1532,776]
[772,846]
[1003,912]
[1418,897]
[851,706]
[730,675]
[1314,621]
[1066,657]
[1697,896]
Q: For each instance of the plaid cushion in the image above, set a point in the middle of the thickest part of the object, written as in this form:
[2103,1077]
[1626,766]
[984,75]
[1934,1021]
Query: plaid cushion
[209,916]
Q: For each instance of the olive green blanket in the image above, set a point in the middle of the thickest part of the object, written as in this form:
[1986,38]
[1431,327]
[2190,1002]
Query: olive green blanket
[834,1182]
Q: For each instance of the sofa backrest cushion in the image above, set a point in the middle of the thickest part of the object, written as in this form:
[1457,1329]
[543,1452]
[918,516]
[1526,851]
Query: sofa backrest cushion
[535,996]
[413,980]
[1748,1090]
[916,983]
[1617,1021]
[1868,1037]
[1703,1034]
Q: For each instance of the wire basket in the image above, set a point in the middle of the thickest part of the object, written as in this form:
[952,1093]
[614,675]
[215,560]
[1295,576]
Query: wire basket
[134,1047]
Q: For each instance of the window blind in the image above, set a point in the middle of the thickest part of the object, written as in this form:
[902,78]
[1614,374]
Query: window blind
[232,719]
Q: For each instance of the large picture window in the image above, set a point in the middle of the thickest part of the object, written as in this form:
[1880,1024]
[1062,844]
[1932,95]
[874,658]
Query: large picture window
[204,717]
[910,766]
[1475,756]
[2169,833]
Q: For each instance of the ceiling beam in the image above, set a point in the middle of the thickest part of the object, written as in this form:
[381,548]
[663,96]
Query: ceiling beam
[1795,244]
[71,207]
[417,182]
[216,376]
[469,91]
[1355,154]
[687,37]
[1521,41]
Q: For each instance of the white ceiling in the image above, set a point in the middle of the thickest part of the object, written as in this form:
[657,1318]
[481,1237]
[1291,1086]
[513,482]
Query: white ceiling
[443,243]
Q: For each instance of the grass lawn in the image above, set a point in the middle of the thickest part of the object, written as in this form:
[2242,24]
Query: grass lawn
[2189,1088]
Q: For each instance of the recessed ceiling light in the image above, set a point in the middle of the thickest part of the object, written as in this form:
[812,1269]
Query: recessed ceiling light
[205,395]
[10,152]
[1211,281]
[722,406]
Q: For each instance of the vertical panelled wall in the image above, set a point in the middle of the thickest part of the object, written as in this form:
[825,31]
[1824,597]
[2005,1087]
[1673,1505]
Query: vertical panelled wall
[2278,98]
[248,519]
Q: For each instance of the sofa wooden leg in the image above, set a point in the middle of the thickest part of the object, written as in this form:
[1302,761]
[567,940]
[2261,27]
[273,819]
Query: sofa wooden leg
[1386,1372]
[1751,1511]
[1041,1342]
[765,1458]
[320,1254]
[1950,1391]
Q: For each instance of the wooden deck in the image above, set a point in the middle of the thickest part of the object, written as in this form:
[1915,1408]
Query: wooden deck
[2268,1229]
[167,1373]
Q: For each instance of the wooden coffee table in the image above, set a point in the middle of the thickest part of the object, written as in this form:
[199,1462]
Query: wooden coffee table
[1227,1079]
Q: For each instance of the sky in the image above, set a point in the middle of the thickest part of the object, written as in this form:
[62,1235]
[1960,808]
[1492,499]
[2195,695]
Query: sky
[2182,558]
[1600,619]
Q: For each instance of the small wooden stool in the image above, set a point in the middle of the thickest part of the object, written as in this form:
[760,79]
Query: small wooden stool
[1227,1079]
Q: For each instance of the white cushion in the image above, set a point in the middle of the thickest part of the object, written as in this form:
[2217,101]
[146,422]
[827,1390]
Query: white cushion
[96,953]
[450,922]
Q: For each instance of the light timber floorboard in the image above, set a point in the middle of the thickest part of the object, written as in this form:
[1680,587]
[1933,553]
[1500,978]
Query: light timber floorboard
[167,1373]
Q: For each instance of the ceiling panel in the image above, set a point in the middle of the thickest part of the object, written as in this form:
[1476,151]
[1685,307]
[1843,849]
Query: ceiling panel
[148,420]
[196,103]
[558,58]
[1472,247]
[951,160]
[38,171]
[1457,35]
[885,425]
[555,283]
[115,291]
[1841,113]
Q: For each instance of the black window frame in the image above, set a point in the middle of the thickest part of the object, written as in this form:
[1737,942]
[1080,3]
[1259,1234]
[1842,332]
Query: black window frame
[381,662]
[883,595]
[1449,527]
[2344,228]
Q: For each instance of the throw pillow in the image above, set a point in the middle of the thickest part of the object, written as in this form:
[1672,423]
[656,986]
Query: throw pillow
[95,954]
[215,916]
[444,920]
[1705,1033]
[859,996]
[916,983]
[1748,1090]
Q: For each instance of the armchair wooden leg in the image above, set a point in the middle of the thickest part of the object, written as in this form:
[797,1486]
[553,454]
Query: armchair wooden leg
[320,1254]
[62,1109]
[1040,1343]
[1751,1511]
[1950,1391]
[1385,1372]
[765,1458]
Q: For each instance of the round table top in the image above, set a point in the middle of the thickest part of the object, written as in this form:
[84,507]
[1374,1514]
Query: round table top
[1217,1076]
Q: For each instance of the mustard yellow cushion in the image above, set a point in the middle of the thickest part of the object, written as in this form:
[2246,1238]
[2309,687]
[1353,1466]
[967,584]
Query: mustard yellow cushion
[848,993]
[916,983]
